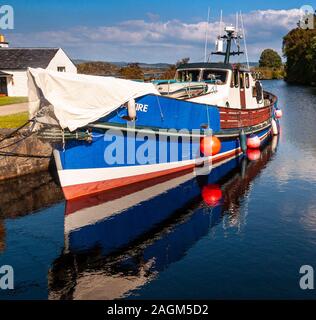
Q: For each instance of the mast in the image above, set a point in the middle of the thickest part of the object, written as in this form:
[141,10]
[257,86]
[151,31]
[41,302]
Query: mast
[244,36]
[206,34]
[228,45]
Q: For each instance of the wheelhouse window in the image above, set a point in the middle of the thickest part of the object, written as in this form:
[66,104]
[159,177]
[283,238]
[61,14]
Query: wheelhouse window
[216,76]
[247,80]
[188,75]
[236,80]
[241,80]
[61,69]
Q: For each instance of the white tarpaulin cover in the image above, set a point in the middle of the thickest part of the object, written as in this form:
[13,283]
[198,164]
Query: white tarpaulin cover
[79,99]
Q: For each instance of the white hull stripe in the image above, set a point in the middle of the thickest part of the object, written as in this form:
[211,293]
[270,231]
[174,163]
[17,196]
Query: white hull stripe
[71,177]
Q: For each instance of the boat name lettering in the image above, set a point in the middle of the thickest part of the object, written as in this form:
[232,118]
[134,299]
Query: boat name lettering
[141,107]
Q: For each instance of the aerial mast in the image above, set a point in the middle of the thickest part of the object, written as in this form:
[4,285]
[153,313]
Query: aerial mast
[230,35]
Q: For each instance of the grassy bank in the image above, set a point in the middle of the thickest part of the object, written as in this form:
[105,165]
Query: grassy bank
[13,120]
[11,100]
[269,73]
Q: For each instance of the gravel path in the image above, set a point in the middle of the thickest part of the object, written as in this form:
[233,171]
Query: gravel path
[14,108]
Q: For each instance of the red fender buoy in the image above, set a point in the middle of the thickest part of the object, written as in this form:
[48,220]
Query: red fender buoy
[278,113]
[253,142]
[253,154]
[212,194]
[210,146]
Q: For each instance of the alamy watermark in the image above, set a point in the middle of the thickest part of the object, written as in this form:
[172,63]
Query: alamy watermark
[307,17]
[6,278]
[163,146]
[307,278]
[6,17]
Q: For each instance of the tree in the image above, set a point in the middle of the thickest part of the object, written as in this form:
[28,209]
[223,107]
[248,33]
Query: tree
[98,68]
[132,71]
[299,48]
[270,59]
[171,71]
[182,61]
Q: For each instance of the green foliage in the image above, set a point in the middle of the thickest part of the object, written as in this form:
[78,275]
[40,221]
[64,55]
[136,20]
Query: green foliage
[270,59]
[132,71]
[98,68]
[269,73]
[278,74]
[299,47]
[182,61]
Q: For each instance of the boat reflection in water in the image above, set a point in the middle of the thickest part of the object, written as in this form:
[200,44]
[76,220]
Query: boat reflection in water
[115,243]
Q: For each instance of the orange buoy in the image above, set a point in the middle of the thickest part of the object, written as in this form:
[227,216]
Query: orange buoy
[210,146]
[253,154]
[212,194]
[278,113]
[253,142]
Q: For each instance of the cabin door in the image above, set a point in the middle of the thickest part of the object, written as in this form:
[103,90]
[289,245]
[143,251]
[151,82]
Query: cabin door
[3,86]
[242,90]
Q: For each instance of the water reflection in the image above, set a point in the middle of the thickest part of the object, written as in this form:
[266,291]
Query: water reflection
[2,236]
[26,194]
[116,243]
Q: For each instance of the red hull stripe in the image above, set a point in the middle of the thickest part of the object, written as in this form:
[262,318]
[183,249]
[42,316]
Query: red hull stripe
[81,190]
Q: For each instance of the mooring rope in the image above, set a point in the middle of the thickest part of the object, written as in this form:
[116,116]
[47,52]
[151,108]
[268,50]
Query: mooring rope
[22,155]
[16,130]
[16,142]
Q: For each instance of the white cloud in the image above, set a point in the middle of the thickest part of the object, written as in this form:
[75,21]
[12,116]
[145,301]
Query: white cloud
[156,40]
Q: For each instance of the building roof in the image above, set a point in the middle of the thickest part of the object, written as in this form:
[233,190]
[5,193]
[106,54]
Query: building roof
[22,58]
[4,74]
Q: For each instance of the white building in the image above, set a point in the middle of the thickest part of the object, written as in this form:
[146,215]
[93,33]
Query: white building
[15,61]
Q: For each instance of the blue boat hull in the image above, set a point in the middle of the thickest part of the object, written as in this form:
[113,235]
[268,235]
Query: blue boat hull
[165,138]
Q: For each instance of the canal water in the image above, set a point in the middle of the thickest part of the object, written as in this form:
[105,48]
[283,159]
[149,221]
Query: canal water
[241,233]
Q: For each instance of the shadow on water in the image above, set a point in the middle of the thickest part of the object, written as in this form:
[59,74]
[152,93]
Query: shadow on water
[116,244]
[31,231]
[26,194]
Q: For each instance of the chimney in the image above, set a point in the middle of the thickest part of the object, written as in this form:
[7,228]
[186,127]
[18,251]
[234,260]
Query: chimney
[3,43]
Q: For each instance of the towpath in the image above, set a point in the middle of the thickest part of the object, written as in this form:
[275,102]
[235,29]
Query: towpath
[13,108]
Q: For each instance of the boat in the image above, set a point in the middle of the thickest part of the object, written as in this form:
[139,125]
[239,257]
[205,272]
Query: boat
[111,133]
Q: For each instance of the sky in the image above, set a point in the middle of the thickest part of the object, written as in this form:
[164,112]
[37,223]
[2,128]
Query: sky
[146,30]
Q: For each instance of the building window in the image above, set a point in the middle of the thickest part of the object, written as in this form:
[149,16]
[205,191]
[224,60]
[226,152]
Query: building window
[3,86]
[61,69]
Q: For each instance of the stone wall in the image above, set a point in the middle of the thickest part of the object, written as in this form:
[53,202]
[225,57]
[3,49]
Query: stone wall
[15,166]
